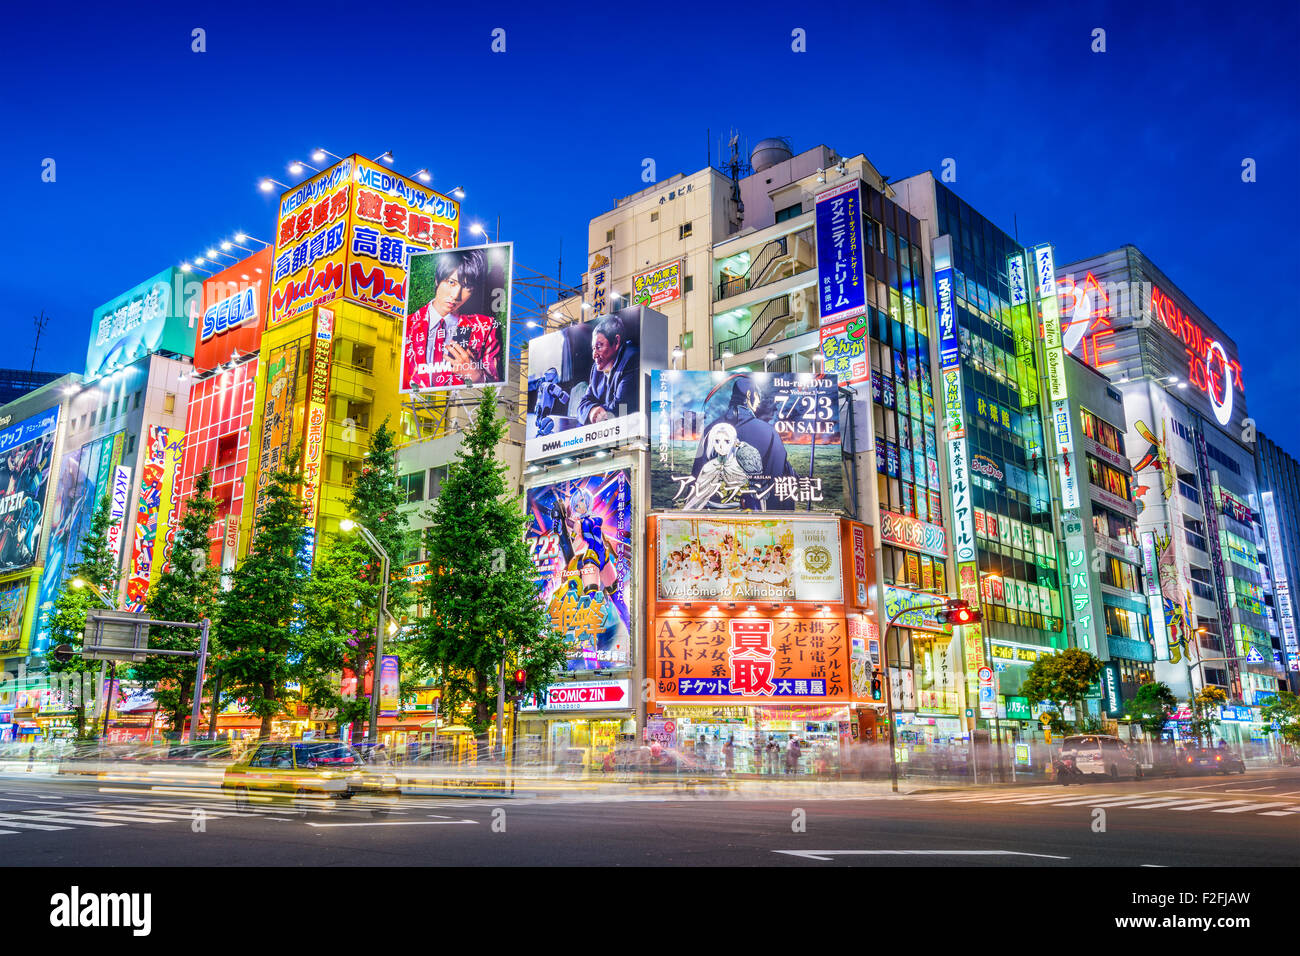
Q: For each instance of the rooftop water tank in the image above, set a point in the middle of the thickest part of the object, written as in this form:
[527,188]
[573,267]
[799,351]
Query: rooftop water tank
[768,153]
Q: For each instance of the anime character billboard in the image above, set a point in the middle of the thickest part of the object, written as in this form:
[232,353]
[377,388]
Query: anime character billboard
[580,537]
[745,441]
[26,453]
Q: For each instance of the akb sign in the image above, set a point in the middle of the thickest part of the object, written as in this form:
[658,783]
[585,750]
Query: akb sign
[229,313]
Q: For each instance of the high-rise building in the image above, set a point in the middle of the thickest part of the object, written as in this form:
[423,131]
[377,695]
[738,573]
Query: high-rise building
[1279,511]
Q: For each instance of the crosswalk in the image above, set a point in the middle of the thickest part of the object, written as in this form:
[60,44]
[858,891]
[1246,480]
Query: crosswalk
[1163,800]
[69,815]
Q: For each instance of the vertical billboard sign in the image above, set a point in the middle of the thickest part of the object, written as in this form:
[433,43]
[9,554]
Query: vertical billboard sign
[13,610]
[26,455]
[154,315]
[600,275]
[392,219]
[277,414]
[1022,328]
[1155,600]
[959,481]
[1281,580]
[1078,574]
[1058,392]
[157,473]
[585,382]
[660,284]
[744,441]
[121,495]
[390,685]
[317,416]
[311,243]
[841,285]
[579,534]
[457,331]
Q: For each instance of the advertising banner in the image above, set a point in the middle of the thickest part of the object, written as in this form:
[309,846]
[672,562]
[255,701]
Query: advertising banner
[1281,580]
[748,559]
[660,284]
[913,533]
[161,452]
[861,564]
[901,604]
[963,535]
[1076,555]
[738,657]
[751,441]
[349,232]
[154,315]
[457,332]
[599,277]
[317,413]
[841,286]
[390,685]
[277,414]
[579,533]
[233,310]
[26,454]
[584,386]
[13,609]
[581,695]
[85,477]
[844,346]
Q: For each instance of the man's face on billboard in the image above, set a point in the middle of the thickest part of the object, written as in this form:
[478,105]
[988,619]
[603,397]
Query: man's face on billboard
[603,350]
[451,295]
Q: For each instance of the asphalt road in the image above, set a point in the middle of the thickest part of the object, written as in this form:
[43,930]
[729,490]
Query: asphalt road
[1251,820]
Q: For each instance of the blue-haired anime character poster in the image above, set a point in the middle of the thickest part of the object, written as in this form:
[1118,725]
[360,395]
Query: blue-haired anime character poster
[580,536]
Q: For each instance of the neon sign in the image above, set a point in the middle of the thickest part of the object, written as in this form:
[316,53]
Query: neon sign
[1089,331]
[1209,367]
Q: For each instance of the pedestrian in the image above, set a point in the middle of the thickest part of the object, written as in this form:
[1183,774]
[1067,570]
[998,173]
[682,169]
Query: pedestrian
[772,749]
[702,753]
[792,754]
[729,755]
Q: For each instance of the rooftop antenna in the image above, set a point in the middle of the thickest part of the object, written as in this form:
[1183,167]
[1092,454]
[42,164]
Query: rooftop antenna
[40,321]
[737,166]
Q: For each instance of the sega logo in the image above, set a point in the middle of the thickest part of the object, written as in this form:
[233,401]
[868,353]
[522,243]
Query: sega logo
[228,314]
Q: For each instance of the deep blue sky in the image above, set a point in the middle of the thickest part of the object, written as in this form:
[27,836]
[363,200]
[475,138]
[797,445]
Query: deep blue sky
[159,149]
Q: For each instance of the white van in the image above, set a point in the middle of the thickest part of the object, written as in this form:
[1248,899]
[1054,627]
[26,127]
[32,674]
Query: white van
[1100,755]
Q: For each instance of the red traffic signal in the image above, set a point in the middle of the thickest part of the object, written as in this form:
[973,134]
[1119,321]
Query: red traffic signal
[960,615]
[521,679]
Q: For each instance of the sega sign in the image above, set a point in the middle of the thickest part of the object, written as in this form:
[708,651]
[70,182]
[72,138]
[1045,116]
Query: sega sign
[229,313]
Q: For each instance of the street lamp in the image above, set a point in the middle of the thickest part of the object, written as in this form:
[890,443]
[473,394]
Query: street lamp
[267,182]
[768,359]
[959,612]
[347,524]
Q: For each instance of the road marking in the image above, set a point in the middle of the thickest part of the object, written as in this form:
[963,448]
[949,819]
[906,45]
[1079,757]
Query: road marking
[64,816]
[1206,806]
[40,801]
[1251,790]
[1154,866]
[9,821]
[1180,803]
[1255,806]
[830,854]
[1204,786]
[1278,813]
[393,823]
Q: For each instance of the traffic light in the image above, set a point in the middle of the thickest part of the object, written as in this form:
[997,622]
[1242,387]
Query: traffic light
[960,613]
[63,653]
[521,680]
[877,688]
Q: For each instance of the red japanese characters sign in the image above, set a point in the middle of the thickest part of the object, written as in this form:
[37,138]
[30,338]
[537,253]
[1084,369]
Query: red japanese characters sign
[784,658]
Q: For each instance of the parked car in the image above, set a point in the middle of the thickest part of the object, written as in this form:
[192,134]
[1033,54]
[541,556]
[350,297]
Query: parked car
[308,770]
[1207,760]
[1101,756]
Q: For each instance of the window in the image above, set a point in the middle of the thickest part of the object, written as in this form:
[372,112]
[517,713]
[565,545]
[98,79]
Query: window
[688,284]
[1111,479]
[169,403]
[113,413]
[654,217]
[130,444]
[1103,433]
[138,396]
[789,212]
[412,486]
[227,448]
[359,413]
[437,475]
[683,230]
[363,357]
[609,235]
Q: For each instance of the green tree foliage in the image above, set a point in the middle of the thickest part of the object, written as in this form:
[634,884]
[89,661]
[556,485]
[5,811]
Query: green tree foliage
[481,588]
[1284,710]
[1205,711]
[1152,707]
[185,591]
[1060,679]
[258,638]
[97,567]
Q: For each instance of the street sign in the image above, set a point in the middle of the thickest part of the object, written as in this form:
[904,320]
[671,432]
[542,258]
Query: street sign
[116,636]
[988,693]
[986,675]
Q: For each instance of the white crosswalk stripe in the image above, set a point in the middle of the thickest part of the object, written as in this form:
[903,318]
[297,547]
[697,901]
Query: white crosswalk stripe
[1149,800]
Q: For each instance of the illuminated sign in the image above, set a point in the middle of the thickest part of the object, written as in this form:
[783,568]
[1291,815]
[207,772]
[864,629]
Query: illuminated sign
[913,533]
[117,514]
[317,413]
[1155,600]
[963,512]
[600,275]
[153,512]
[229,313]
[841,282]
[660,284]
[1088,331]
[844,346]
[1209,366]
[986,466]
[948,352]
[1281,582]
[1022,327]
[151,317]
[581,695]
[1077,573]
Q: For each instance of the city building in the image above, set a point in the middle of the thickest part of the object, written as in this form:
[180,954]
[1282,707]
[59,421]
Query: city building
[1194,468]
[1279,509]
[16,383]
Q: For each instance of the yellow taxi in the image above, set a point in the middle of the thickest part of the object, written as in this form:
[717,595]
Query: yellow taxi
[309,769]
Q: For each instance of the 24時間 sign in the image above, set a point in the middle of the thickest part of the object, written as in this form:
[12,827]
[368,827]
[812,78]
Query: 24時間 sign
[841,286]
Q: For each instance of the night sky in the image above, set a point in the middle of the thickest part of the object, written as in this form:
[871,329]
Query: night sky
[159,149]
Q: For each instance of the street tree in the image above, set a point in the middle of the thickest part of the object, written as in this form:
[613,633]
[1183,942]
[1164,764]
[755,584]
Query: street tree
[1205,704]
[97,568]
[481,591]
[185,591]
[1152,707]
[258,634]
[1284,711]
[1060,679]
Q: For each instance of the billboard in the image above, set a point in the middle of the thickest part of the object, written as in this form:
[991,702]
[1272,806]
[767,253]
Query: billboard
[748,656]
[162,451]
[390,685]
[841,285]
[579,533]
[277,414]
[349,232]
[745,441]
[233,311]
[457,329]
[318,387]
[660,284]
[153,316]
[585,382]
[748,559]
[121,495]
[26,454]
[844,346]
[13,608]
